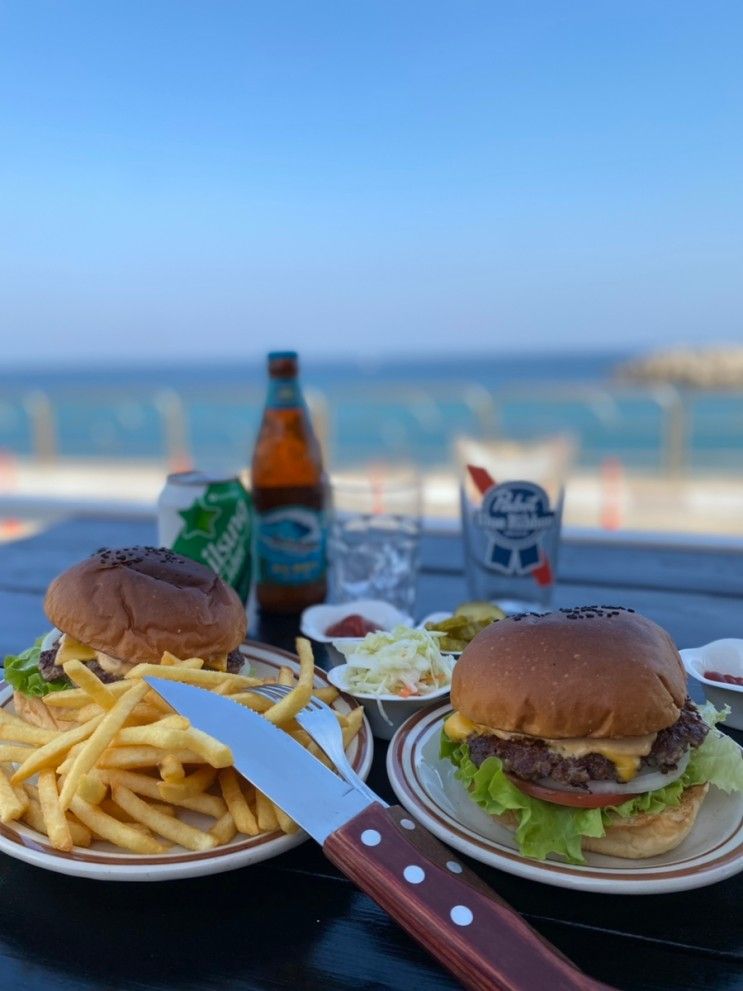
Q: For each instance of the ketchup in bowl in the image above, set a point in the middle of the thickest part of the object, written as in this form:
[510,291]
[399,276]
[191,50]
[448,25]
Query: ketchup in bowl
[727,679]
[354,625]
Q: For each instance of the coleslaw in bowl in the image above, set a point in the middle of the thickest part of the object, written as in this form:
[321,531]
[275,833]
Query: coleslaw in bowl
[393,673]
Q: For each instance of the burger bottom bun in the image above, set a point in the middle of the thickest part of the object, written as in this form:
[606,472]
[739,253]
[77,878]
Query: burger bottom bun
[34,711]
[646,835]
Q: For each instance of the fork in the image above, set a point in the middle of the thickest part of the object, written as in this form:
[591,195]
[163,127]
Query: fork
[319,720]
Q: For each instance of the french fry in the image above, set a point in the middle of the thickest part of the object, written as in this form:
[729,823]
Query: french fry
[212,751]
[193,784]
[300,695]
[206,679]
[153,734]
[57,827]
[286,676]
[50,753]
[326,693]
[169,827]
[81,675]
[265,813]
[26,733]
[143,784]
[354,719]
[33,817]
[108,828]
[286,823]
[86,712]
[12,805]
[224,828]
[99,740]
[129,757]
[12,754]
[258,703]
[144,713]
[92,789]
[245,821]
[66,764]
[116,812]
[205,748]
[170,660]
[73,698]
[109,806]
[171,770]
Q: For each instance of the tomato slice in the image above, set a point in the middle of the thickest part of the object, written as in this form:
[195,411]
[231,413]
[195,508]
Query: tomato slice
[576,799]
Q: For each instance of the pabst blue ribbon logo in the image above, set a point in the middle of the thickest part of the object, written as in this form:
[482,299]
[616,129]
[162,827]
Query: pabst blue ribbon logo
[514,516]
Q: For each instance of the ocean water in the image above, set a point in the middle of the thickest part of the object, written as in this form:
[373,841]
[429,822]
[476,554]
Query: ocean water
[409,408]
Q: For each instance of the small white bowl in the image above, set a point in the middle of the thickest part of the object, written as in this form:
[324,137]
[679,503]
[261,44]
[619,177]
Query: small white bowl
[725,657]
[315,621]
[386,713]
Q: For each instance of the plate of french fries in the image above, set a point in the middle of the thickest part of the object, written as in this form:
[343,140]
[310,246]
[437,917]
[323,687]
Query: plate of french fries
[117,786]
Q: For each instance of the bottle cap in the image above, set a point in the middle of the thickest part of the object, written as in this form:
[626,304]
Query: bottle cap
[282,355]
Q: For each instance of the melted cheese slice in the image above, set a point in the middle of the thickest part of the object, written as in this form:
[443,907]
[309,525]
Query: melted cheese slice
[72,650]
[624,753]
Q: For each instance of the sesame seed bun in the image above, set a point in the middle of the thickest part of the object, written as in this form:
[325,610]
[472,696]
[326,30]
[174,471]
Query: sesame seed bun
[134,604]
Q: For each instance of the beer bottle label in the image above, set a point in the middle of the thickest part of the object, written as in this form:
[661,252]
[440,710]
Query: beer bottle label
[284,394]
[291,545]
[217,532]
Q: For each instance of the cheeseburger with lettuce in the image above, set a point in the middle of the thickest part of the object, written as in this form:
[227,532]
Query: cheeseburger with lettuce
[122,607]
[574,729]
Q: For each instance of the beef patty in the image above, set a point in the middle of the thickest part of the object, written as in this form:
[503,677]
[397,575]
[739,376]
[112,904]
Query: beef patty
[532,759]
[51,671]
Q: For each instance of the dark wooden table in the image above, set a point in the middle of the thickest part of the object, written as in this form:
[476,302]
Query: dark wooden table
[294,922]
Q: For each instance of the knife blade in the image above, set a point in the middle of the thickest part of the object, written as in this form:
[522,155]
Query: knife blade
[446,907]
[263,753]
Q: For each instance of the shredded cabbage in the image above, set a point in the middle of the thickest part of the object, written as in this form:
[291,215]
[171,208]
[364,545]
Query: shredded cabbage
[402,662]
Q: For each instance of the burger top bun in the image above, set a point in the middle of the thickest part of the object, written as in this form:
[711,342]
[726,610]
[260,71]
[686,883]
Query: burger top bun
[138,602]
[593,671]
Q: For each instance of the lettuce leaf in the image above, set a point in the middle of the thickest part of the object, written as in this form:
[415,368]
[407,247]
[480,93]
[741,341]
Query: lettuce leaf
[545,828]
[22,672]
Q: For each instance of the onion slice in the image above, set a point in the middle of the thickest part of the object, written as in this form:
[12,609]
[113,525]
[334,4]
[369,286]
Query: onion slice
[649,779]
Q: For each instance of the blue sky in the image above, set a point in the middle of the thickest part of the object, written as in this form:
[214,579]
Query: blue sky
[216,178]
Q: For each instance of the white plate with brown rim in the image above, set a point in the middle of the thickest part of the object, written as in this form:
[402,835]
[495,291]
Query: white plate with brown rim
[105,862]
[426,785]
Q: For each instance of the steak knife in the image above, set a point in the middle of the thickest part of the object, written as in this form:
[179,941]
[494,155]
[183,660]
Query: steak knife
[443,905]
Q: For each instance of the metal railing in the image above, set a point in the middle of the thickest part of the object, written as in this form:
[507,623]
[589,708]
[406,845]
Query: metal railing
[664,419]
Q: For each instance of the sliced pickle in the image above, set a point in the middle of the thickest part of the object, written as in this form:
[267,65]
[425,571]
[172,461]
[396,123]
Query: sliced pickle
[480,611]
[464,625]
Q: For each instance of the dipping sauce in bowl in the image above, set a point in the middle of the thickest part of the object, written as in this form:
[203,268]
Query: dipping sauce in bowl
[354,625]
[717,668]
[728,679]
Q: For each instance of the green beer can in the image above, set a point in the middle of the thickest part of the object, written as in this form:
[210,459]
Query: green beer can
[209,518]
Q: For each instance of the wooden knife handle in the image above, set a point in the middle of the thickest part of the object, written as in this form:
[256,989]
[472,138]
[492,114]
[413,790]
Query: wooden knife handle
[450,911]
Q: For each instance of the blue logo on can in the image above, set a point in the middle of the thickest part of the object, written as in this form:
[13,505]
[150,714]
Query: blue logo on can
[514,516]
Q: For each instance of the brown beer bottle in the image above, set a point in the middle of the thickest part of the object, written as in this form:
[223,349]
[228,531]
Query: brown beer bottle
[289,496]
